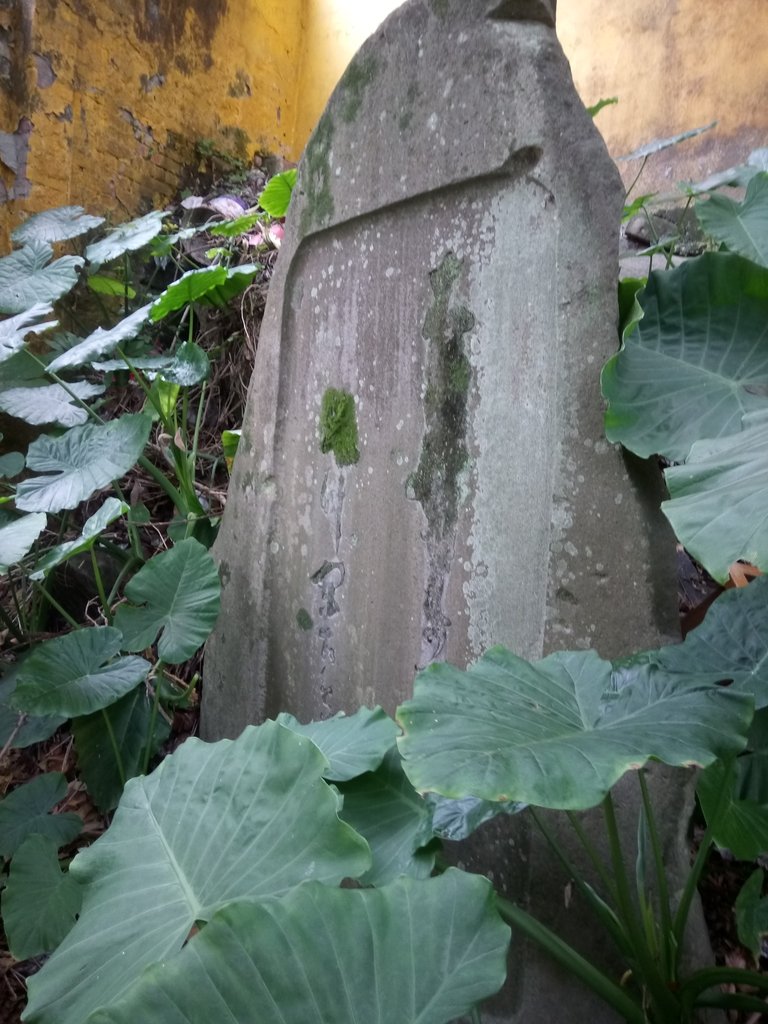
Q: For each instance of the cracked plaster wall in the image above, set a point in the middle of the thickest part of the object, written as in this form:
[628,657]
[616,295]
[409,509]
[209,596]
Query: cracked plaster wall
[101,102]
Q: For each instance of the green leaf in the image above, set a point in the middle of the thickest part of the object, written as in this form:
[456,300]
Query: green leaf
[277,195]
[740,825]
[635,206]
[595,109]
[742,227]
[188,289]
[135,234]
[549,734]
[696,362]
[129,720]
[236,227]
[388,812]
[40,902]
[751,912]
[409,953]
[190,366]
[230,439]
[657,145]
[719,497]
[24,812]
[33,729]
[28,279]
[104,285]
[81,462]
[55,225]
[237,280]
[176,594]
[11,464]
[214,823]
[95,525]
[14,329]
[101,342]
[74,674]
[352,745]
[17,538]
[49,404]
[152,364]
[458,819]
[630,310]
[731,644]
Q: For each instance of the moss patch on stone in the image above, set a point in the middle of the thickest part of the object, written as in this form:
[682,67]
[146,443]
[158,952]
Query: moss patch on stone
[435,482]
[338,426]
[304,619]
[354,82]
[316,176]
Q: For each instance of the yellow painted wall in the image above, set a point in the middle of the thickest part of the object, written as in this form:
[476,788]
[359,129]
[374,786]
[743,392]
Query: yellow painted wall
[674,64]
[102,101]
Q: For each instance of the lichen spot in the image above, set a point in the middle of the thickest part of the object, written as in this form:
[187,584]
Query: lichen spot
[304,619]
[338,426]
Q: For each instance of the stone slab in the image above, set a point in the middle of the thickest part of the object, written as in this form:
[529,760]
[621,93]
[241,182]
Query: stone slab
[423,471]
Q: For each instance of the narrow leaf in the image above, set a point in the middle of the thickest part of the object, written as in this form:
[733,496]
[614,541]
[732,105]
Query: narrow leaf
[657,145]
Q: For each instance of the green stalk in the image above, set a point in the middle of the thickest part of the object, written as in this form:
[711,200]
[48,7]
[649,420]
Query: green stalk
[160,478]
[670,947]
[637,178]
[573,962]
[133,533]
[10,625]
[100,586]
[711,977]
[650,977]
[55,604]
[62,383]
[692,882]
[153,718]
[605,914]
[595,860]
[115,748]
[129,565]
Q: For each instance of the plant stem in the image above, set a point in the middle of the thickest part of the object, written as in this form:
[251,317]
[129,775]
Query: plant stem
[120,577]
[153,718]
[115,749]
[649,975]
[671,955]
[592,853]
[10,625]
[691,884]
[55,604]
[100,586]
[572,961]
[602,911]
[159,477]
[133,533]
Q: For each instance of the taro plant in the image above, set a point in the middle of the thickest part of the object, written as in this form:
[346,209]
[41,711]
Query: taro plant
[216,891]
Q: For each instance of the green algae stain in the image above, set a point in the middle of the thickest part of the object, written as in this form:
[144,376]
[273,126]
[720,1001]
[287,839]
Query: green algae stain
[316,177]
[354,82]
[435,482]
[304,619]
[338,426]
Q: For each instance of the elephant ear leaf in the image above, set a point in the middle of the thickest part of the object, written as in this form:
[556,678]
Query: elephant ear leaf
[214,823]
[551,733]
[408,953]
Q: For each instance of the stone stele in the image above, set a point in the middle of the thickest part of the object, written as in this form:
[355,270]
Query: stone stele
[422,471]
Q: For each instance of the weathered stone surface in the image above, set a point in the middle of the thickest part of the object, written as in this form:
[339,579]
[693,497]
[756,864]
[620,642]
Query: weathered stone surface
[423,471]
